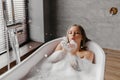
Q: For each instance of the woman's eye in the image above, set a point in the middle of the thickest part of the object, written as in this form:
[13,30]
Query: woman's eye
[77,32]
[73,32]
[69,32]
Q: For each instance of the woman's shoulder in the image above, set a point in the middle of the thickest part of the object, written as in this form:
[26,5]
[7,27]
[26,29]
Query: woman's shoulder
[86,54]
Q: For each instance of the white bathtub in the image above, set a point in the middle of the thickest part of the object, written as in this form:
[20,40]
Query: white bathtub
[20,70]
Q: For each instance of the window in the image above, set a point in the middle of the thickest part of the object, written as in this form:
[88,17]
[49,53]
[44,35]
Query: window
[2,30]
[15,10]
[12,14]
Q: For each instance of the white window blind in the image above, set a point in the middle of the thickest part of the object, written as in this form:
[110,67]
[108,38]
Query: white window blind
[15,11]
[9,12]
[19,10]
[2,30]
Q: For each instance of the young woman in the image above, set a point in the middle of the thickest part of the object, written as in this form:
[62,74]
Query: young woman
[77,34]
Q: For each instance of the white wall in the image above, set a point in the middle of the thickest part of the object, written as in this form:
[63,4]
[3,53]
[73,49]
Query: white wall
[36,20]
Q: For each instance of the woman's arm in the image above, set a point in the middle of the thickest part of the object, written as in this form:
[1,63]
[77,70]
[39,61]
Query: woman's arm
[59,47]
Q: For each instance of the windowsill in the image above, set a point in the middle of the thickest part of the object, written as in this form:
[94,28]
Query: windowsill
[25,51]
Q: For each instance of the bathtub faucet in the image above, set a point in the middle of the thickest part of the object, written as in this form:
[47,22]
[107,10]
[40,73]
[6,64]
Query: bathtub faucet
[14,43]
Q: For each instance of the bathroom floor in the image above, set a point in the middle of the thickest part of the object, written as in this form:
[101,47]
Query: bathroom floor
[112,71]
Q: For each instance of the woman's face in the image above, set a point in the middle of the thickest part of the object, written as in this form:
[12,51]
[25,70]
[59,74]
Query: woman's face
[74,34]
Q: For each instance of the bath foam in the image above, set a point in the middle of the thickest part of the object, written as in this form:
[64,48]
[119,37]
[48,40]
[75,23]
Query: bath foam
[61,70]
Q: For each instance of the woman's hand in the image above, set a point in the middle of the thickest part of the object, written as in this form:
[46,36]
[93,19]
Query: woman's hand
[71,46]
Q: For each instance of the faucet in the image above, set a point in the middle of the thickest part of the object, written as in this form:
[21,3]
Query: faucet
[14,43]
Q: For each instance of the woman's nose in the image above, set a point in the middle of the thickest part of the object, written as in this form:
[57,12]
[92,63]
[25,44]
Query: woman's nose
[73,34]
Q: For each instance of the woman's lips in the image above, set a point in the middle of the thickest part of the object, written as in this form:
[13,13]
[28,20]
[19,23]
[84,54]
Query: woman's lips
[73,38]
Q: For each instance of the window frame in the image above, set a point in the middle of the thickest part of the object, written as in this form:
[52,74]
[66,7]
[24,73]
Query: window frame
[15,24]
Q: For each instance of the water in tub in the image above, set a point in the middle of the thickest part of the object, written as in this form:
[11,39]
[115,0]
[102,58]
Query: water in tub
[62,66]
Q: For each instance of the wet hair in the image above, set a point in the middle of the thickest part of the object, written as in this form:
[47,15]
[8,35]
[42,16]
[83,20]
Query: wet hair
[85,39]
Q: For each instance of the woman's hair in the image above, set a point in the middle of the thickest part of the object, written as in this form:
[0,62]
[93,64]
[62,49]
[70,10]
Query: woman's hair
[85,39]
